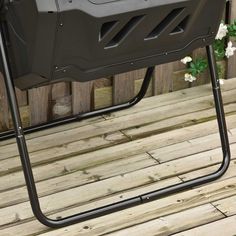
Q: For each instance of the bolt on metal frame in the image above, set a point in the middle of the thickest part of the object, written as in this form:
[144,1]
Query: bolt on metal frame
[25,160]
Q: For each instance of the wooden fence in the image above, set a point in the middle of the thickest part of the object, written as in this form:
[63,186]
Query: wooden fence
[49,102]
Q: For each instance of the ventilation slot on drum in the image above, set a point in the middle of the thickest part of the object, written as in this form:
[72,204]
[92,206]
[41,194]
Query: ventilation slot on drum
[181,27]
[106,28]
[163,25]
[124,32]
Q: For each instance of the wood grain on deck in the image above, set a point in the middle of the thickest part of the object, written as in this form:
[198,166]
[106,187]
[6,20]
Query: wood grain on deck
[162,141]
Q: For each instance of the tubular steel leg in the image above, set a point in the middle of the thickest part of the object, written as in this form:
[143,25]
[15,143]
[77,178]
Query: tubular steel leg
[122,204]
[61,121]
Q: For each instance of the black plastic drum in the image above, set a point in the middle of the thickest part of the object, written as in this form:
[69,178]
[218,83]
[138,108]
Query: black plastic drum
[82,40]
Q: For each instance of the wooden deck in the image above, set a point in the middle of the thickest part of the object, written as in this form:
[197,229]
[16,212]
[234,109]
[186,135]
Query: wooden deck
[163,140]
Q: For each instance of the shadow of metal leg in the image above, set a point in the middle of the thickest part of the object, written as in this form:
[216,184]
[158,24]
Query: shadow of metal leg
[30,183]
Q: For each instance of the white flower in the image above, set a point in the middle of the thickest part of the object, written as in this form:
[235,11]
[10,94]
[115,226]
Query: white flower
[186,60]
[222,32]
[230,50]
[188,77]
[222,81]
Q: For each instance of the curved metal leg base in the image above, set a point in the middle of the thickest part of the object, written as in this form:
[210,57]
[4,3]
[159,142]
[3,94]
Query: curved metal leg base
[11,134]
[129,202]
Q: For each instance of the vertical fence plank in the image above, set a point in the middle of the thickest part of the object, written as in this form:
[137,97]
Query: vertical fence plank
[39,104]
[81,97]
[204,77]
[102,93]
[179,70]
[138,81]
[123,87]
[21,97]
[139,74]
[103,82]
[163,79]
[60,90]
[4,114]
[5,117]
[61,100]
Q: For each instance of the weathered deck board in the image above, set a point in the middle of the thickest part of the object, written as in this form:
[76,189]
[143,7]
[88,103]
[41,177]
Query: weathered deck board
[147,104]
[162,141]
[226,227]
[132,120]
[167,225]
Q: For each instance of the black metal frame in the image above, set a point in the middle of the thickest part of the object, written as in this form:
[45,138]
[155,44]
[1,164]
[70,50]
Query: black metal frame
[24,155]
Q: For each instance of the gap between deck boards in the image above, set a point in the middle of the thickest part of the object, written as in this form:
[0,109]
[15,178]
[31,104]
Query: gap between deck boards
[150,152]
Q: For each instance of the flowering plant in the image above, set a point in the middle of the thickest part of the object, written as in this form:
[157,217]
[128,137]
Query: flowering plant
[222,50]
